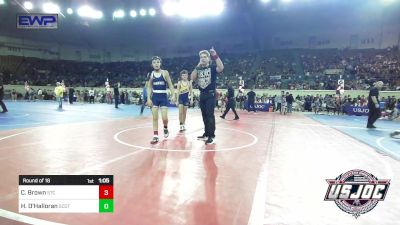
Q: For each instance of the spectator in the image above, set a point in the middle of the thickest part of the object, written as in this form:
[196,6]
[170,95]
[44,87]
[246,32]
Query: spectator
[59,91]
[71,92]
[3,106]
[13,95]
[40,94]
[116,94]
[91,96]
[289,101]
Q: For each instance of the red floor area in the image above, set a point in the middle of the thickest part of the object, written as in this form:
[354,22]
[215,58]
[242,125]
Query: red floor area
[178,181]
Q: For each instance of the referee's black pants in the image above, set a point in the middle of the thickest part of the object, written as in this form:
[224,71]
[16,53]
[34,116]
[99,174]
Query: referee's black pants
[251,106]
[3,106]
[207,106]
[373,115]
[116,99]
[231,104]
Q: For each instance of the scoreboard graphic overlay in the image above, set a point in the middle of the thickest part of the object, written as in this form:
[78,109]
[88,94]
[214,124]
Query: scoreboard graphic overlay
[66,194]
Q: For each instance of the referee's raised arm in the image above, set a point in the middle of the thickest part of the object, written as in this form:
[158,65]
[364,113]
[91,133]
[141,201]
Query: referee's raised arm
[218,61]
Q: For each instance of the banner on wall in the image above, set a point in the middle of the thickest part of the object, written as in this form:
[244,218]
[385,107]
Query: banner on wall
[264,107]
[363,111]
[275,77]
[357,110]
[333,71]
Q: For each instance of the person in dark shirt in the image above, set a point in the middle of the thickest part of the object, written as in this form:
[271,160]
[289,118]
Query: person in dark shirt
[289,101]
[3,106]
[373,104]
[308,103]
[116,94]
[71,92]
[231,102]
[251,98]
[122,98]
[205,75]
[273,101]
[144,97]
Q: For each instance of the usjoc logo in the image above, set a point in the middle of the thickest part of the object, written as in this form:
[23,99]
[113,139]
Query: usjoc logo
[360,110]
[259,106]
[37,21]
[356,192]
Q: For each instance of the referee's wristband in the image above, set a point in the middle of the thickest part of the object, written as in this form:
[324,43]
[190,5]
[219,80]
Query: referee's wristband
[215,57]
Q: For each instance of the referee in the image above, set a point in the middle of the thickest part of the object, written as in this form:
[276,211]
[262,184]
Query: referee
[231,102]
[116,94]
[251,99]
[373,104]
[205,74]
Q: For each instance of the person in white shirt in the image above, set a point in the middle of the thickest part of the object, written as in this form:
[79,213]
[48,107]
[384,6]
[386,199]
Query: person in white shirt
[40,94]
[91,96]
